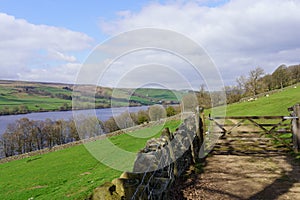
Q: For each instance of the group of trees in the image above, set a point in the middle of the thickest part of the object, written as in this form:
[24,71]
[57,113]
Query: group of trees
[283,76]
[29,135]
[127,120]
[251,85]
[254,83]
[258,82]
[21,109]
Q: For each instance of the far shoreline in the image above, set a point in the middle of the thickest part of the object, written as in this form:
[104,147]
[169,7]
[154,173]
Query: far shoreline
[71,109]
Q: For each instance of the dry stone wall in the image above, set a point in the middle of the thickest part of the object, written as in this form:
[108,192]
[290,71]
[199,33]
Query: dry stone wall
[157,165]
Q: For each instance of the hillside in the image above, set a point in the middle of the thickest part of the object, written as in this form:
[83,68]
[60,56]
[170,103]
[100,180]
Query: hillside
[272,104]
[57,175]
[22,97]
[70,173]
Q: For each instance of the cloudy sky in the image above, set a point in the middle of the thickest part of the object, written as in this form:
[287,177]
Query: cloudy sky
[49,40]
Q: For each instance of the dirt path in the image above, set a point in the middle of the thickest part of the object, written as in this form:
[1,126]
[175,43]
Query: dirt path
[243,177]
[243,169]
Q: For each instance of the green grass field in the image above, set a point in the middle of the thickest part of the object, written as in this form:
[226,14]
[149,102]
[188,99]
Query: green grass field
[51,97]
[275,104]
[71,173]
[11,96]
[160,94]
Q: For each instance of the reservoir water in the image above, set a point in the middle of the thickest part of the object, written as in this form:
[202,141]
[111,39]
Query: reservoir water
[103,114]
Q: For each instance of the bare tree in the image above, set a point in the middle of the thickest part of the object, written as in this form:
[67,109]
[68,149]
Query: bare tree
[8,144]
[48,132]
[242,83]
[73,131]
[157,112]
[233,94]
[110,125]
[189,102]
[254,80]
[124,120]
[204,98]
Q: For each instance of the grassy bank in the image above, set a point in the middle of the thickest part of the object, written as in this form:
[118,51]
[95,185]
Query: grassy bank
[274,104]
[71,173]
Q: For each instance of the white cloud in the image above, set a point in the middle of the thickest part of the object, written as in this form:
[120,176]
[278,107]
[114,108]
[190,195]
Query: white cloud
[239,35]
[38,52]
[155,67]
[121,55]
[56,55]
[65,73]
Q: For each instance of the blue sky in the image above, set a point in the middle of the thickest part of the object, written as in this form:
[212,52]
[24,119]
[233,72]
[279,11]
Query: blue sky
[82,16]
[49,40]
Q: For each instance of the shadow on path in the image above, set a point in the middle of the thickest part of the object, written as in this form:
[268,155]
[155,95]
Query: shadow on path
[281,185]
[248,179]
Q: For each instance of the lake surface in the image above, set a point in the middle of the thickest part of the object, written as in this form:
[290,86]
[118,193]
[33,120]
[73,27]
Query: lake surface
[103,114]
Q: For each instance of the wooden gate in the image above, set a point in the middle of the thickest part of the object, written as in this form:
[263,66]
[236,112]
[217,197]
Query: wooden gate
[277,127]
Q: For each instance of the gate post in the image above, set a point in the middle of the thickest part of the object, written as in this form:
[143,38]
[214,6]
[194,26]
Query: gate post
[199,131]
[296,128]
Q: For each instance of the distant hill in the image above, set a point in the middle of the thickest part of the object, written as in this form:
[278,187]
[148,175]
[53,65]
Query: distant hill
[17,97]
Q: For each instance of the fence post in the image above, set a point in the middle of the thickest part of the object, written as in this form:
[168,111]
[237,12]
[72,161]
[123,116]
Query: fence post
[197,120]
[199,130]
[296,128]
[201,125]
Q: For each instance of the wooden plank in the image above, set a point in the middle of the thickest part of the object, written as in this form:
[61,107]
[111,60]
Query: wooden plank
[286,131]
[235,126]
[257,132]
[254,132]
[246,117]
[220,126]
[283,125]
[275,125]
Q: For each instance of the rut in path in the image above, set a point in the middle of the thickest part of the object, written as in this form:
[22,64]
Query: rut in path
[243,167]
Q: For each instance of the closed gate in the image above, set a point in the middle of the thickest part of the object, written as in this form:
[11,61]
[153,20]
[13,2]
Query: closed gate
[283,129]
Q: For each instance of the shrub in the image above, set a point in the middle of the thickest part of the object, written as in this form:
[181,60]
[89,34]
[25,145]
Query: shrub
[157,112]
[142,117]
